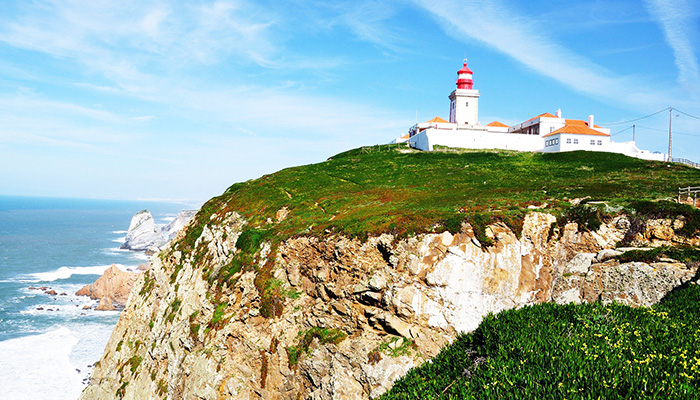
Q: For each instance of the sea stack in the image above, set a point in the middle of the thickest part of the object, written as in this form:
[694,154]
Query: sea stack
[145,235]
[114,285]
[142,232]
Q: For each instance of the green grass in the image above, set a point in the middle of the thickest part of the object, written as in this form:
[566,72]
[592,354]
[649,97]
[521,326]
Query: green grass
[407,192]
[585,351]
[668,209]
[306,338]
[684,254]
[217,319]
[360,194]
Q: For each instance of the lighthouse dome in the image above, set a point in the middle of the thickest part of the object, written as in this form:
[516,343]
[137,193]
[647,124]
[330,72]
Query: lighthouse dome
[464,77]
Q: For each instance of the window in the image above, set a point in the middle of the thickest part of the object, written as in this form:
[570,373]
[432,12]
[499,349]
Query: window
[600,143]
[556,141]
[568,141]
[592,142]
[575,141]
[551,129]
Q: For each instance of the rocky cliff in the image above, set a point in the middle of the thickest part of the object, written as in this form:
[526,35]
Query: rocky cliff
[112,288]
[144,234]
[339,318]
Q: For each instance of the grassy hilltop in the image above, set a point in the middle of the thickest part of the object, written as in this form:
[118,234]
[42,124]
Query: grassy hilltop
[546,351]
[366,191]
[406,191]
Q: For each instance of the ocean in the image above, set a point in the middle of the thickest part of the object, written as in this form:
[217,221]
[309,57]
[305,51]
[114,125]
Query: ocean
[48,343]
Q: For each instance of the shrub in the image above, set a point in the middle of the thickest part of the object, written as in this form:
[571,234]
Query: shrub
[585,351]
[306,338]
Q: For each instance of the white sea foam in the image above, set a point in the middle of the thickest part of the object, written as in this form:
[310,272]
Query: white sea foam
[92,339]
[39,367]
[67,307]
[166,220]
[141,256]
[120,232]
[119,239]
[67,272]
[136,255]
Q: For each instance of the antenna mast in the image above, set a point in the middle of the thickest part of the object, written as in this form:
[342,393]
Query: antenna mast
[670,134]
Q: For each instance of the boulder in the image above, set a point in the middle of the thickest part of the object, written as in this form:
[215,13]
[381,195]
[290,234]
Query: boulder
[607,254]
[114,284]
[105,305]
[579,264]
[144,267]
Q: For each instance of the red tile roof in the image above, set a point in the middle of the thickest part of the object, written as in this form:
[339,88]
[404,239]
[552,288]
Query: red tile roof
[438,119]
[498,124]
[578,122]
[546,115]
[573,127]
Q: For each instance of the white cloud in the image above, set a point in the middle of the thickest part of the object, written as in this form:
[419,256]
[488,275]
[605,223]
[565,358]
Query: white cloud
[142,50]
[678,21]
[496,25]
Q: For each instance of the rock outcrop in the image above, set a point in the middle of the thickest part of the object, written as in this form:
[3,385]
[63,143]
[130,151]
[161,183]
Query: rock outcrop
[145,235]
[142,232]
[114,286]
[105,305]
[168,232]
[348,317]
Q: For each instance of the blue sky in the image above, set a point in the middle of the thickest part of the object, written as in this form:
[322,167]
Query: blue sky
[180,99]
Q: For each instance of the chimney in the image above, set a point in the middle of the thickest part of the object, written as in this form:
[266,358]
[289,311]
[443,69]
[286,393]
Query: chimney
[590,121]
[558,113]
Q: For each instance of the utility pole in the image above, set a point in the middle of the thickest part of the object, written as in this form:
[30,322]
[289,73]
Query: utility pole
[633,129]
[670,133]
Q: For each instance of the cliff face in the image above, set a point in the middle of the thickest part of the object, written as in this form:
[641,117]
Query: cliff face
[144,234]
[352,316]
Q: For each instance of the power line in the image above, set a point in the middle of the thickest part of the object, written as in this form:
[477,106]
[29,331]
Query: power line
[626,129]
[653,129]
[686,134]
[665,131]
[637,119]
[686,114]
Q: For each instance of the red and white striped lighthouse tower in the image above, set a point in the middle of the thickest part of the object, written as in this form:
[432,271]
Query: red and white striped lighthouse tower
[465,77]
[464,101]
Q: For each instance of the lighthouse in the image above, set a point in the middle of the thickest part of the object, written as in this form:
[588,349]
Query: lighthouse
[464,101]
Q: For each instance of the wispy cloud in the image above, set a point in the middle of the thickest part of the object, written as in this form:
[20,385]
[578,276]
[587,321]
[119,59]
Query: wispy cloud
[678,21]
[497,25]
[154,51]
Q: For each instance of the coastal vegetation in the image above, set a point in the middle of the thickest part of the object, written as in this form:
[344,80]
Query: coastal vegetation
[365,192]
[284,278]
[406,192]
[306,338]
[587,351]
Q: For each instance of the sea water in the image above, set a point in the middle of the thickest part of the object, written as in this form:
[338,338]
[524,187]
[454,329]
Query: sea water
[49,343]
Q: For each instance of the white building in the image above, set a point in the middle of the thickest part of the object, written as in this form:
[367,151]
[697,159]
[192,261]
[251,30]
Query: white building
[543,133]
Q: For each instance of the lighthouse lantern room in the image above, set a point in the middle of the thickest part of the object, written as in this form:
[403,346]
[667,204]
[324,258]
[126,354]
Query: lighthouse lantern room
[464,101]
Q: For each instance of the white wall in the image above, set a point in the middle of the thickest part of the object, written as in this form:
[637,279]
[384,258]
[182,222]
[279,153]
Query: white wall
[552,144]
[466,106]
[631,149]
[480,139]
